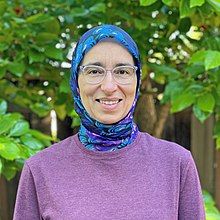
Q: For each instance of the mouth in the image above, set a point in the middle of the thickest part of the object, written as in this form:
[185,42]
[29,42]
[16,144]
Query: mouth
[109,101]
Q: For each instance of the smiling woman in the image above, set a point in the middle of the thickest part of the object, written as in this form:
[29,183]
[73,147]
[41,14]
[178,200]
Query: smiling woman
[109,170]
[106,96]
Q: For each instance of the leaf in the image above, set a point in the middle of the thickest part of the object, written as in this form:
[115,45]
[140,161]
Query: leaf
[206,102]
[212,59]
[39,18]
[31,142]
[2,72]
[159,78]
[202,116]
[40,109]
[167,2]
[217,129]
[61,111]
[7,122]
[29,2]
[172,89]
[37,134]
[52,27]
[123,14]
[99,7]
[35,56]
[9,171]
[207,198]
[185,9]
[182,101]
[195,69]
[45,37]
[79,12]
[140,24]
[195,88]
[147,2]
[24,152]
[19,20]
[8,149]
[166,70]
[76,122]
[64,86]
[215,4]
[3,46]
[33,70]
[198,57]
[209,57]
[17,68]
[3,8]
[194,3]
[54,53]
[212,43]
[3,107]
[45,139]
[20,128]
[184,25]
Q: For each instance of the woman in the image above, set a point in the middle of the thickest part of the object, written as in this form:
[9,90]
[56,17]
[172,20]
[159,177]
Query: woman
[109,170]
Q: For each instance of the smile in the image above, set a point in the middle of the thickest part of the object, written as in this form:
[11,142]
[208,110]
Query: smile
[108,102]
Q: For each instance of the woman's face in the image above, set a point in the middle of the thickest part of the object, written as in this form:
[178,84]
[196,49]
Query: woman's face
[108,102]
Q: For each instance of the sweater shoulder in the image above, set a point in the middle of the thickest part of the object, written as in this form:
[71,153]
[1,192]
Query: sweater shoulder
[53,153]
[165,149]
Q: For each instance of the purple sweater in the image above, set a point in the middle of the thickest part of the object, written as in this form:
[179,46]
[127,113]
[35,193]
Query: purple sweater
[150,179]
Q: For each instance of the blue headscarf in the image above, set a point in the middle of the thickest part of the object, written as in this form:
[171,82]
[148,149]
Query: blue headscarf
[93,134]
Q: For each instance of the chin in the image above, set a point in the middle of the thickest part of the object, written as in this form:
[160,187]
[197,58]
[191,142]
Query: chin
[108,121]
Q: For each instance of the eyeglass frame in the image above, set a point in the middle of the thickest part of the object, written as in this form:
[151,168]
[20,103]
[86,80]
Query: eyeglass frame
[81,68]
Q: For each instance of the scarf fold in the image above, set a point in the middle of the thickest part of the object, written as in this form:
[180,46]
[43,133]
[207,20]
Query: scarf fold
[93,134]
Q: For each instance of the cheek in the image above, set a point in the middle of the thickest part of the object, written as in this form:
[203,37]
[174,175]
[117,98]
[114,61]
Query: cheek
[86,93]
[131,91]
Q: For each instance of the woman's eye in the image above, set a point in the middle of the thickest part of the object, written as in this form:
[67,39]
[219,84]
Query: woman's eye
[94,72]
[122,72]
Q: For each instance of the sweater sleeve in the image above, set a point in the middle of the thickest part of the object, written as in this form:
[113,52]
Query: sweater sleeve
[190,201]
[26,206]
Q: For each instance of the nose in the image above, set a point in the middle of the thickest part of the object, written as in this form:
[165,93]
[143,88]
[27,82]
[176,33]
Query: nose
[108,84]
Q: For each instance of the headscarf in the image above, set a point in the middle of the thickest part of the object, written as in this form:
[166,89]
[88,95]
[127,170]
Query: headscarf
[93,134]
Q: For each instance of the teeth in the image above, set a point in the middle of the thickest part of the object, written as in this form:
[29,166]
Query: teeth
[109,102]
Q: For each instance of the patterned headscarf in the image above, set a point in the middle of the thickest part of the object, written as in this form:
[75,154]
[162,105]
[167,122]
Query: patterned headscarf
[93,134]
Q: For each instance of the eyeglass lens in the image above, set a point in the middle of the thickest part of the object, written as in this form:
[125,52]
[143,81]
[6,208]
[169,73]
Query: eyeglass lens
[121,74]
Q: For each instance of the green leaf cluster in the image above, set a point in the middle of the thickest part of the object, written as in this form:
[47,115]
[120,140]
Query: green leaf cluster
[17,141]
[212,213]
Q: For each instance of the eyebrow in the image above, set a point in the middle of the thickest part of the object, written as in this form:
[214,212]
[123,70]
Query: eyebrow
[100,64]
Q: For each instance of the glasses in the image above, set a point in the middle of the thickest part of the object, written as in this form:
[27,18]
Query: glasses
[95,74]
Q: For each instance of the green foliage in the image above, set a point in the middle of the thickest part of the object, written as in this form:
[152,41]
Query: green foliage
[212,213]
[147,2]
[17,141]
[210,59]
[194,3]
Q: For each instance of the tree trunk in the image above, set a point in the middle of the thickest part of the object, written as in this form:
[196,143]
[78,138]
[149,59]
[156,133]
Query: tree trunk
[148,118]
[145,113]
[161,120]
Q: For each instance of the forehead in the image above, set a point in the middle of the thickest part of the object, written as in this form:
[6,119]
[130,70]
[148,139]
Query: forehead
[108,52]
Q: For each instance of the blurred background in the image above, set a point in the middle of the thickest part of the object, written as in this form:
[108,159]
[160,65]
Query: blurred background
[179,42]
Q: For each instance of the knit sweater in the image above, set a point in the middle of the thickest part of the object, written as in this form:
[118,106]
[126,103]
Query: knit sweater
[150,179]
